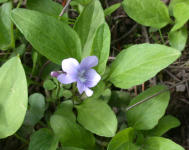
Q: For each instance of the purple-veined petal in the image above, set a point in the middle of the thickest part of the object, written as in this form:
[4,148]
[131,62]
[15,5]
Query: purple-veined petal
[89,62]
[92,78]
[81,87]
[70,66]
[88,92]
[66,78]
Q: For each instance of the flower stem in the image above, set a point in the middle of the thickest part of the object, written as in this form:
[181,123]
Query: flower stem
[74,93]
[19,3]
[21,138]
[161,36]
[58,93]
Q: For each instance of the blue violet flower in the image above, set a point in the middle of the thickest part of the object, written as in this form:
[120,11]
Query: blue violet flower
[82,73]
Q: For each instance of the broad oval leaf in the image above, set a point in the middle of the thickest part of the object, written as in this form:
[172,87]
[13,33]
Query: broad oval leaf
[13,97]
[146,115]
[70,134]
[181,14]
[97,117]
[139,63]
[127,146]
[173,3]
[178,38]
[83,2]
[87,24]
[101,47]
[160,143]
[46,6]
[2,1]
[43,139]
[6,27]
[153,13]
[123,140]
[165,124]
[65,109]
[51,37]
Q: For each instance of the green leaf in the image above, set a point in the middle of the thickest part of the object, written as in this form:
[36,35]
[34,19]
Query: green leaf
[43,140]
[98,90]
[97,117]
[87,24]
[165,124]
[36,109]
[153,13]
[123,141]
[178,38]
[13,97]
[57,93]
[133,66]
[159,143]
[49,85]
[19,50]
[77,6]
[146,115]
[49,36]
[108,11]
[106,95]
[45,6]
[2,1]
[70,134]
[101,47]
[48,69]
[65,109]
[6,27]
[71,148]
[126,146]
[67,94]
[83,2]
[120,99]
[181,14]
[173,3]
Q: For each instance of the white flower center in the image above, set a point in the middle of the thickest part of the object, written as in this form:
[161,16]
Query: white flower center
[81,76]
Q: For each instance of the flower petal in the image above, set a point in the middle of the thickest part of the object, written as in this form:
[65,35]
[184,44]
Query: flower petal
[70,66]
[66,78]
[92,78]
[89,62]
[55,73]
[88,92]
[81,87]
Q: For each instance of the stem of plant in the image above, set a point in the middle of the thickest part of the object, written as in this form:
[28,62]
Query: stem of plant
[161,36]
[42,124]
[21,138]
[74,92]
[58,93]
[19,3]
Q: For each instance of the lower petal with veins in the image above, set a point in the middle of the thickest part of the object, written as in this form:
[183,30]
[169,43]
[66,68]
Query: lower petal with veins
[66,79]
